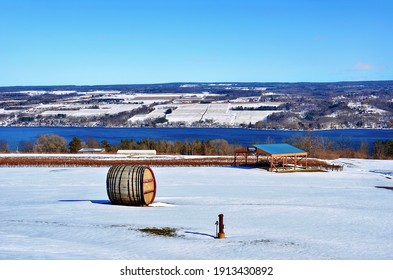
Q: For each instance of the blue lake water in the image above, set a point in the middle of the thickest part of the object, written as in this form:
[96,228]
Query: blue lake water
[233,135]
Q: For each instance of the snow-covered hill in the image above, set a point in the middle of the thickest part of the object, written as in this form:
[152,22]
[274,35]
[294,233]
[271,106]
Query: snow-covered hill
[63,213]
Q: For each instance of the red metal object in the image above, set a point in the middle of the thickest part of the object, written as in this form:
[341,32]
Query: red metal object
[221,233]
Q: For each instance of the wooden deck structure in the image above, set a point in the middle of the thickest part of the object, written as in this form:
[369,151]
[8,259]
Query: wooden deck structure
[279,156]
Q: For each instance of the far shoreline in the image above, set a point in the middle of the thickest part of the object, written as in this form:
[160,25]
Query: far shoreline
[196,127]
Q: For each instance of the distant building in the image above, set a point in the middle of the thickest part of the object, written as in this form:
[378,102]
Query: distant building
[91,150]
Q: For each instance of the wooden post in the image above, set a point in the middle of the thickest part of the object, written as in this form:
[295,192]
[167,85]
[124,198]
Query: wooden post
[306,162]
[295,163]
[271,163]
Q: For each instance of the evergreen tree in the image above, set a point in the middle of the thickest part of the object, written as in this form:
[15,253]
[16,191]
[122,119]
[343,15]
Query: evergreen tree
[105,145]
[75,145]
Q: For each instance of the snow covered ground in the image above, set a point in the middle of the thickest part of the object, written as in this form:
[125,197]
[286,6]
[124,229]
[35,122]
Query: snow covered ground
[218,112]
[63,213]
[110,109]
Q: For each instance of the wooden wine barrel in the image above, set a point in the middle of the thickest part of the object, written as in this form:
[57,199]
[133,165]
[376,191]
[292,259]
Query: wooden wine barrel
[131,185]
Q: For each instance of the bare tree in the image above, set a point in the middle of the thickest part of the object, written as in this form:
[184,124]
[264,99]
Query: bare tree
[26,146]
[92,143]
[51,143]
[4,147]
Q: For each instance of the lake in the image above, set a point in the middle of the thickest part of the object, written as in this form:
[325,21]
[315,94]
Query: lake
[13,135]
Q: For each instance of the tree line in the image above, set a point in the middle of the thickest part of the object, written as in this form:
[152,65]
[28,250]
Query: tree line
[317,147]
[52,143]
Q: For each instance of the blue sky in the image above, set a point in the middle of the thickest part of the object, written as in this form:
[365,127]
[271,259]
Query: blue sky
[90,42]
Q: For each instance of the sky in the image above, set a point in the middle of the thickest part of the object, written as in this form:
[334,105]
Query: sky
[98,42]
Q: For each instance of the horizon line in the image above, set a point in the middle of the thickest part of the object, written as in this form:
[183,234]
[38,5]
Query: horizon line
[201,83]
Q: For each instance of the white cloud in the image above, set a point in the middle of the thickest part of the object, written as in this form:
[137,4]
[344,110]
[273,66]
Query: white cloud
[363,67]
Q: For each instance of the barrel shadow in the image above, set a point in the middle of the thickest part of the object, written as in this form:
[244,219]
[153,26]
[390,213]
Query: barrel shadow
[84,200]
[384,187]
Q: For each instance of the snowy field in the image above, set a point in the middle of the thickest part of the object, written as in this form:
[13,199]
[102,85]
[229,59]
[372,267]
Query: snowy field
[63,213]
[218,112]
[110,109]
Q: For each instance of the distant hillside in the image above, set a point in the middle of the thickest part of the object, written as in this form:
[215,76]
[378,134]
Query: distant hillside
[218,86]
[361,104]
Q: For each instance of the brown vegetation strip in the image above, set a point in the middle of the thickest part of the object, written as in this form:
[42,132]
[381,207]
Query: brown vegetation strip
[70,162]
[34,161]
